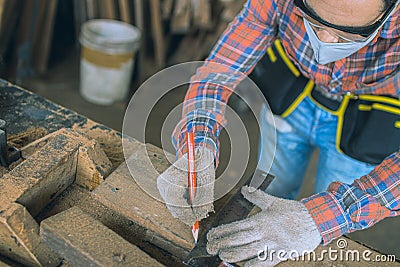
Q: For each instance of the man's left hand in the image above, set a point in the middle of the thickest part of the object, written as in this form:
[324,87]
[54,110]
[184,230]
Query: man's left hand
[283,226]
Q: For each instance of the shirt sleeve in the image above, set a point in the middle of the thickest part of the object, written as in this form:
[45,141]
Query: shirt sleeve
[234,56]
[345,208]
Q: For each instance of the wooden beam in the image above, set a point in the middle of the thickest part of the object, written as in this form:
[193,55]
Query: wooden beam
[139,23]
[158,34]
[125,11]
[139,207]
[181,17]
[43,43]
[91,9]
[20,240]
[84,241]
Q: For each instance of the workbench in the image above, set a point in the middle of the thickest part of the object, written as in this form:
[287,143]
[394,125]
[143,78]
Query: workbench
[110,207]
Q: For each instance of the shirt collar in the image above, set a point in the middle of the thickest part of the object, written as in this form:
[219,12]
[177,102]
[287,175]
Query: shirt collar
[391,28]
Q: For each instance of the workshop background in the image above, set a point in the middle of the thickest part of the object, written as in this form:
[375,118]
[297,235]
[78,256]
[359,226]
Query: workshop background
[40,51]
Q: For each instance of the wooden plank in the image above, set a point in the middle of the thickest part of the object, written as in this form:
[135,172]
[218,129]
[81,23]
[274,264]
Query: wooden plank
[93,165]
[52,164]
[91,9]
[125,11]
[139,21]
[181,17]
[158,34]
[35,182]
[43,44]
[108,10]
[139,207]
[84,241]
[20,240]
[166,8]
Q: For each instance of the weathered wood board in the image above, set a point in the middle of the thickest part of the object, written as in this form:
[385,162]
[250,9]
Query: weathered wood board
[20,241]
[84,241]
[120,192]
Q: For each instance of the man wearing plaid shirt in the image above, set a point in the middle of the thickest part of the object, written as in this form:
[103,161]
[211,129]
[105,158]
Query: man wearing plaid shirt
[343,47]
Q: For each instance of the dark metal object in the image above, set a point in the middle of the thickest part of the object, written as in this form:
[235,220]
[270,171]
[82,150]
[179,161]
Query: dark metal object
[8,154]
[237,209]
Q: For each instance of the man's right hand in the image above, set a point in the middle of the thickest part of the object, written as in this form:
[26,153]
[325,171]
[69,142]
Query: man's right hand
[173,187]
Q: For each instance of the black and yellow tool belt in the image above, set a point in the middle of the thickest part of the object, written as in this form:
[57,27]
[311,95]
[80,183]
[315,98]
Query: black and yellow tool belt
[368,125]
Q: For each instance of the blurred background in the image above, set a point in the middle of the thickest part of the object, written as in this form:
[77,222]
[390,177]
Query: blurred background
[40,51]
[40,48]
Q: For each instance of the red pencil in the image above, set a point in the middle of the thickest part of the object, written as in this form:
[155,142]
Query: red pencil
[192,180]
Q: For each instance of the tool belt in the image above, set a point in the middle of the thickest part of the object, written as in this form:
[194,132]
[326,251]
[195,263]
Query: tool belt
[368,125]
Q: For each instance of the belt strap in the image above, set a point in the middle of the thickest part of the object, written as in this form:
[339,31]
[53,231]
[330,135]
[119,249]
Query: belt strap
[328,103]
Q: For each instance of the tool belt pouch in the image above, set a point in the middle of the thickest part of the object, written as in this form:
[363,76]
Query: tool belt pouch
[369,129]
[278,79]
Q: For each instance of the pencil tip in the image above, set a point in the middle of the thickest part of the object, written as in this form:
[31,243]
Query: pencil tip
[195,233]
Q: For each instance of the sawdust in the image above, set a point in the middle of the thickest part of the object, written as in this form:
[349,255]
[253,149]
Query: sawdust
[109,140]
[4,170]
[22,139]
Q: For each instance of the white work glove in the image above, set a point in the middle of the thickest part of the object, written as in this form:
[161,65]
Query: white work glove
[173,187]
[281,225]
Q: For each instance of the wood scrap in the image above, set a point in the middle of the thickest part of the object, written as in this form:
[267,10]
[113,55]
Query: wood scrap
[20,240]
[84,241]
[91,9]
[142,209]
[108,10]
[125,11]
[158,34]
[166,9]
[181,17]
[43,44]
[139,22]
[202,17]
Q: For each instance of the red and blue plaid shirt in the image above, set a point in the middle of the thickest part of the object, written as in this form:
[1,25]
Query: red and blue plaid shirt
[373,69]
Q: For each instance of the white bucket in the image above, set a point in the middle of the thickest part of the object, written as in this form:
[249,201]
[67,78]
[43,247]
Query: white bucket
[107,59]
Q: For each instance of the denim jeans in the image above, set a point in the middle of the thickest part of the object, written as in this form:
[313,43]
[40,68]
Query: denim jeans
[308,127]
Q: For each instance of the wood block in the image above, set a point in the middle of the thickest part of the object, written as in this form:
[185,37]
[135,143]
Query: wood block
[36,181]
[93,164]
[20,240]
[120,192]
[84,241]
[77,196]
[181,17]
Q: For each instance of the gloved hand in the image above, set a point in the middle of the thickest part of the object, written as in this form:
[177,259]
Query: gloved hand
[173,187]
[281,225]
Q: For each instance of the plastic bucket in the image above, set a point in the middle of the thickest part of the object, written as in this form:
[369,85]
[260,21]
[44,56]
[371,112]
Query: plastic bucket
[107,59]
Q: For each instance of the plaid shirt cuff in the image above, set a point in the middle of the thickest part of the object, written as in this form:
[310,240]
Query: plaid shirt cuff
[344,209]
[331,219]
[206,131]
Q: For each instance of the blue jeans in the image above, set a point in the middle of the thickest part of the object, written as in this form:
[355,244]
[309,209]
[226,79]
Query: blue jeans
[308,127]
